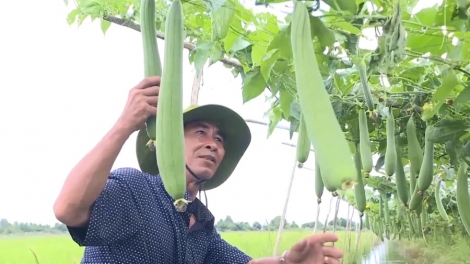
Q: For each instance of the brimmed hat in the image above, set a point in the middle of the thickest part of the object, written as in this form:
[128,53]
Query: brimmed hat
[237,139]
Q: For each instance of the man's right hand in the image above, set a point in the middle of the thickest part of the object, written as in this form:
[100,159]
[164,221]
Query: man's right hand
[86,181]
[141,104]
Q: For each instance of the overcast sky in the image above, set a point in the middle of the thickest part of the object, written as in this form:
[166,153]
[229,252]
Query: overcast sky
[63,87]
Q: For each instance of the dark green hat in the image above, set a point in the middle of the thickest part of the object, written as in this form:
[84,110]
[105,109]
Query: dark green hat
[237,139]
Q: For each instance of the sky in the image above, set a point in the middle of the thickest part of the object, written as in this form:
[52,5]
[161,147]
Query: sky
[62,88]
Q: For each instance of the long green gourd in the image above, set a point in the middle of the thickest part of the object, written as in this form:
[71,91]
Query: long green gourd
[359,191]
[391,151]
[152,62]
[415,152]
[366,152]
[170,130]
[426,171]
[400,179]
[463,196]
[440,206]
[303,143]
[167,132]
[332,150]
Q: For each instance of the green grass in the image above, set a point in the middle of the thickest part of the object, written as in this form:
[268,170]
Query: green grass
[436,250]
[62,250]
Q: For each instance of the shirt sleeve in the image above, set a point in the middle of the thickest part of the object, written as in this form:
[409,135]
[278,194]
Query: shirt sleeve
[221,252]
[114,215]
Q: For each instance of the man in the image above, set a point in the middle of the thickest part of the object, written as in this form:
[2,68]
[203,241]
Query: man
[126,216]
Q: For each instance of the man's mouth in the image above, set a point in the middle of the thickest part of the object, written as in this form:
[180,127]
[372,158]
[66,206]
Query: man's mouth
[209,158]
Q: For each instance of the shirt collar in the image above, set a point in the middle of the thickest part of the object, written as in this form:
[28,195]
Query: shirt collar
[204,218]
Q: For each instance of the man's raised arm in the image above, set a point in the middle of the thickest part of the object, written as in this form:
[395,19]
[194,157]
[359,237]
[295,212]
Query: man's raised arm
[88,178]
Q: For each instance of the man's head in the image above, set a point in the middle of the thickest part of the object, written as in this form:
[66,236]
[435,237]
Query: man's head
[210,131]
[204,148]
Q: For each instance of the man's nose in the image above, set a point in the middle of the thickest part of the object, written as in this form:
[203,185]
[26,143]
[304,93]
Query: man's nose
[211,145]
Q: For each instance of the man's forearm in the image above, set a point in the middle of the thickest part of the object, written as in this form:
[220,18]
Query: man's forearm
[87,179]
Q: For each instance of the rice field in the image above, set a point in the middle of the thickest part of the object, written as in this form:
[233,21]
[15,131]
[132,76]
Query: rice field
[62,250]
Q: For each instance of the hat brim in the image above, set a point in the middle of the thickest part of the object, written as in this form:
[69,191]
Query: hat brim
[237,139]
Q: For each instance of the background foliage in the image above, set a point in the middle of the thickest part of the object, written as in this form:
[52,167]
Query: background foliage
[427,79]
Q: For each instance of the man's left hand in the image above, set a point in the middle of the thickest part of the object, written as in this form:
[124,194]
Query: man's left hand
[312,250]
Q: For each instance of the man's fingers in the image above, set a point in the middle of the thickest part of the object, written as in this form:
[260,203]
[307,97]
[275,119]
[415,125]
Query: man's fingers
[315,240]
[300,246]
[149,82]
[323,238]
[152,100]
[151,110]
[151,91]
[329,260]
[332,252]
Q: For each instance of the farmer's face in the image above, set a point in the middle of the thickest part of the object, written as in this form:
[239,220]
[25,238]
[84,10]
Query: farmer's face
[204,148]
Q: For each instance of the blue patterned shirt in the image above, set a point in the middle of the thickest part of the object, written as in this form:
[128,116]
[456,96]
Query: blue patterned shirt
[134,221]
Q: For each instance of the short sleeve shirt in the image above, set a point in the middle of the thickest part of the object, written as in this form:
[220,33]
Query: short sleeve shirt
[134,221]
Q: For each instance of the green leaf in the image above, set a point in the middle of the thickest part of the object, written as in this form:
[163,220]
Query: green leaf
[424,41]
[268,64]
[90,7]
[72,16]
[380,162]
[451,150]
[105,24]
[274,117]
[253,87]
[347,27]
[274,86]
[200,54]
[463,97]
[285,101]
[217,54]
[281,68]
[81,18]
[447,130]
[266,2]
[461,51]
[239,44]
[444,16]
[257,53]
[266,29]
[426,17]
[281,42]
[229,40]
[294,126]
[318,29]
[295,110]
[222,17]
[342,5]
[439,97]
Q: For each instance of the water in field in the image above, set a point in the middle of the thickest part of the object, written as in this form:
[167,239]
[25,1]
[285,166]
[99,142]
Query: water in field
[384,253]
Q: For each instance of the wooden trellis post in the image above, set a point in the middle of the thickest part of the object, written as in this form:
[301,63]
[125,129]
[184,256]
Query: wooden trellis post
[284,211]
[196,86]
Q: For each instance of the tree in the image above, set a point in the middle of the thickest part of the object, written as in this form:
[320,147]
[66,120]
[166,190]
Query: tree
[243,226]
[416,71]
[310,225]
[339,222]
[276,221]
[256,226]
[7,228]
[227,224]
[294,225]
